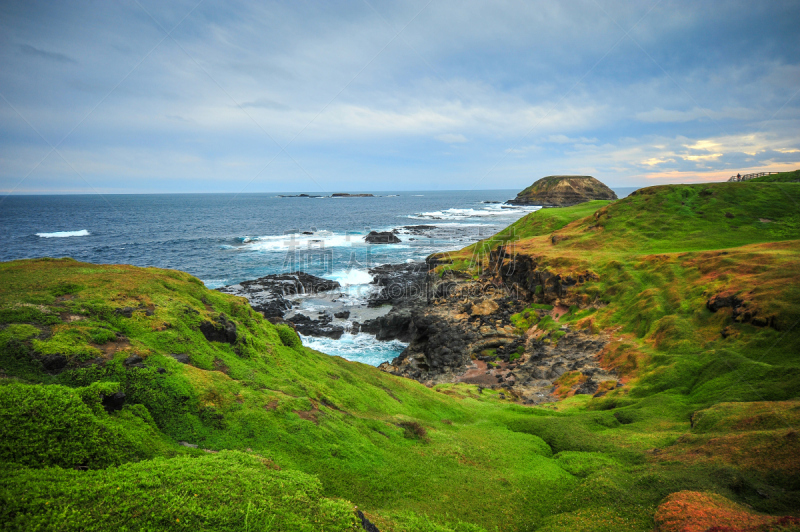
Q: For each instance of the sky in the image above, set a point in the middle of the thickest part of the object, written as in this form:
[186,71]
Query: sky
[149,96]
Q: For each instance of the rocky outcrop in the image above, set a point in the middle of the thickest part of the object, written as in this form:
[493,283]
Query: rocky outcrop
[742,311]
[322,326]
[219,330]
[463,332]
[381,237]
[268,294]
[563,191]
[404,287]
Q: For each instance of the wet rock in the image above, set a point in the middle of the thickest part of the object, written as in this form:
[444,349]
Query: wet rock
[399,284]
[321,327]
[113,402]
[344,314]
[381,237]
[268,294]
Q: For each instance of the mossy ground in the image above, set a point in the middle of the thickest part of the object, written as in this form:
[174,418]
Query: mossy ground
[292,439]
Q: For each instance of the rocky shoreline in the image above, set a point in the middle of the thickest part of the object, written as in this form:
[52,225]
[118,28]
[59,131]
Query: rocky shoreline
[458,329]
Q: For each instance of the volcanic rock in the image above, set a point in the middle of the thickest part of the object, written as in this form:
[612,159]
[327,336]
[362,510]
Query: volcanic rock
[381,237]
[268,294]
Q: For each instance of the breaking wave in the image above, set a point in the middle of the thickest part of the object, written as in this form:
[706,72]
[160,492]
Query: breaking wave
[64,234]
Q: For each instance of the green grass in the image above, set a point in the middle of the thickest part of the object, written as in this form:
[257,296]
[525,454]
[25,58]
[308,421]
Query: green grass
[451,458]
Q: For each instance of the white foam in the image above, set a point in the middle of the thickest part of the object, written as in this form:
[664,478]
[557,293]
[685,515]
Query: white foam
[350,277]
[462,214]
[359,347]
[316,241]
[64,234]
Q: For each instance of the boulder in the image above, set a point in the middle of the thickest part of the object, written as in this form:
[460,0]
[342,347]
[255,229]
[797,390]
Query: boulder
[381,237]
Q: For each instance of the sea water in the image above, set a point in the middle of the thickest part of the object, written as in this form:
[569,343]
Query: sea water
[227,238]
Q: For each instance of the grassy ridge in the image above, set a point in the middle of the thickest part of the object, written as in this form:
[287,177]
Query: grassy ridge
[292,439]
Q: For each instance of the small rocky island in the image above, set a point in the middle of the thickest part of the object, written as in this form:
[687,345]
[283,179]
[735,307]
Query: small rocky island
[563,191]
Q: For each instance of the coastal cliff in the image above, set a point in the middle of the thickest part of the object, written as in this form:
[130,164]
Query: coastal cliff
[563,191]
[138,398]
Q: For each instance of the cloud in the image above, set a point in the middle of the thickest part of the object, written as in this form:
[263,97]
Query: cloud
[451,138]
[29,50]
[264,103]
[533,90]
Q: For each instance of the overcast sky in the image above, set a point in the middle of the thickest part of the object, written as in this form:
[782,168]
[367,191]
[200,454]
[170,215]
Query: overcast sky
[137,96]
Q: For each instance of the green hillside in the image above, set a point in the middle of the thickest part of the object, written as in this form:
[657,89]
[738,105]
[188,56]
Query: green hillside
[249,430]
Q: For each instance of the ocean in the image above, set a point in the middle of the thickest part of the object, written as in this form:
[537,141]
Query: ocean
[226,238]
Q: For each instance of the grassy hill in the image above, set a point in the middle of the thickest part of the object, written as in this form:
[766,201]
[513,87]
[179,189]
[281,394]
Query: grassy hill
[229,423]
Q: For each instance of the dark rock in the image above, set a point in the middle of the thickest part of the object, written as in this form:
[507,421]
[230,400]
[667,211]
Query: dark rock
[161,371]
[113,402]
[418,229]
[396,325]
[268,294]
[589,387]
[399,283]
[365,523]
[134,361]
[221,330]
[125,312]
[322,327]
[720,301]
[344,314]
[381,237]
[346,195]
[54,363]
[729,215]
[183,358]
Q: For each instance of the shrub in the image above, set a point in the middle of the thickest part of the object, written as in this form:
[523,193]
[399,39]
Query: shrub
[414,431]
[288,336]
[102,336]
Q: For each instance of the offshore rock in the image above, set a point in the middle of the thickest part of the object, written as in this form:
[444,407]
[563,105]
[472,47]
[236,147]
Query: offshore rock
[563,191]
[381,237]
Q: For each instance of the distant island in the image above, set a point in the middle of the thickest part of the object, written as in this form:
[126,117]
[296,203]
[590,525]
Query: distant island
[334,195]
[563,191]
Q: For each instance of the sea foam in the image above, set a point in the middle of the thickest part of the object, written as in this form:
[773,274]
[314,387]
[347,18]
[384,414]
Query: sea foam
[63,234]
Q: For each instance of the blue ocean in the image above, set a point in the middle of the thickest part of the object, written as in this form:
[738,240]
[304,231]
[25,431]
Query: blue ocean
[226,238]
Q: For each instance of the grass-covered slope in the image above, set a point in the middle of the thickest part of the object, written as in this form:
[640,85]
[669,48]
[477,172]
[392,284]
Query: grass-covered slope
[290,439]
[698,289]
